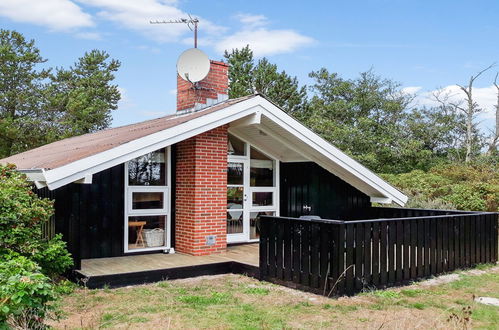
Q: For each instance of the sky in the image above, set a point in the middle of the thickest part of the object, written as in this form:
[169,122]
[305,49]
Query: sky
[424,45]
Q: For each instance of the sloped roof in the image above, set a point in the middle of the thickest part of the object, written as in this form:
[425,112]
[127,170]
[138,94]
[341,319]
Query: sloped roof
[68,150]
[78,158]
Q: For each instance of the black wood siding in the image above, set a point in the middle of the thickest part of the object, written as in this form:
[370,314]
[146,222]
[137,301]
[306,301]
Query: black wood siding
[91,216]
[308,184]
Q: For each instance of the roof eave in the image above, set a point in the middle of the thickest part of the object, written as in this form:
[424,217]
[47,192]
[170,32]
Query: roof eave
[84,168]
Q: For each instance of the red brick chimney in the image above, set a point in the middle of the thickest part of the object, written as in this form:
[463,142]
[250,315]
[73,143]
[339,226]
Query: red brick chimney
[201,171]
[211,88]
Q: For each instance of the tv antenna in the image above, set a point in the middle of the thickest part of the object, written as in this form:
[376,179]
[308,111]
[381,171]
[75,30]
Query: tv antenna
[192,24]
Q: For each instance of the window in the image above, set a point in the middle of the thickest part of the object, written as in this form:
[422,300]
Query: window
[262,198]
[263,187]
[235,175]
[148,170]
[252,189]
[235,147]
[235,197]
[147,201]
[262,170]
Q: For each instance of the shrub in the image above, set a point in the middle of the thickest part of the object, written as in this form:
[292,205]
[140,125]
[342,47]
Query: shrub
[24,292]
[22,214]
[473,187]
[30,259]
[419,201]
[53,257]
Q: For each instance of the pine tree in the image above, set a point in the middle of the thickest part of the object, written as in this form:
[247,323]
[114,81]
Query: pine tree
[246,77]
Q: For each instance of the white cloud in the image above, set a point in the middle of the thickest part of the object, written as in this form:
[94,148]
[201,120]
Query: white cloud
[486,97]
[262,40]
[411,89]
[125,101]
[57,15]
[253,20]
[69,15]
[136,15]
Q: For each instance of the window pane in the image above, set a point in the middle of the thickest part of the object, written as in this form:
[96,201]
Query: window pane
[262,170]
[262,198]
[255,223]
[148,170]
[146,231]
[235,197]
[234,222]
[235,146]
[147,200]
[235,173]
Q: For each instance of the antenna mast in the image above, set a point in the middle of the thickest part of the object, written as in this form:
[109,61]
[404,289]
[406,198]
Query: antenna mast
[192,24]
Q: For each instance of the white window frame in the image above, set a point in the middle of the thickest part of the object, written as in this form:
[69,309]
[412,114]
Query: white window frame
[153,189]
[273,190]
[165,211]
[248,207]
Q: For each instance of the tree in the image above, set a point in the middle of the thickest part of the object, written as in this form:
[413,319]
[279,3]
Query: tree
[367,118]
[471,109]
[445,127]
[438,129]
[38,106]
[494,141]
[83,96]
[22,98]
[246,78]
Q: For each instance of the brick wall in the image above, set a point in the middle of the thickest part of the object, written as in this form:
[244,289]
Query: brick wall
[216,82]
[201,192]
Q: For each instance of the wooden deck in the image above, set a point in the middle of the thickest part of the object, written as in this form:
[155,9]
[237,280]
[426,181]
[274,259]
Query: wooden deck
[246,254]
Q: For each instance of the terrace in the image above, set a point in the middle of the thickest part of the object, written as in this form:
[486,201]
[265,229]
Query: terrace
[393,246]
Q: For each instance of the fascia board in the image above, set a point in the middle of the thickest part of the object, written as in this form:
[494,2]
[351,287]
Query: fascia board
[77,170]
[334,154]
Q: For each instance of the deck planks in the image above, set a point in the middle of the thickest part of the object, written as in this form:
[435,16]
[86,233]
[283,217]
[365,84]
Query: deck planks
[246,254]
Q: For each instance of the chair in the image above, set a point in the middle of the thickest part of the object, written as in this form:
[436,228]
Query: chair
[139,227]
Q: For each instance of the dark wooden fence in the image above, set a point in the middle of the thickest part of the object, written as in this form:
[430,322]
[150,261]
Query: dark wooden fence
[334,257]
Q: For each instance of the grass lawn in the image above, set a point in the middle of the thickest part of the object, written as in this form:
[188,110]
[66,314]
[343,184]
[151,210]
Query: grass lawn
[239,302]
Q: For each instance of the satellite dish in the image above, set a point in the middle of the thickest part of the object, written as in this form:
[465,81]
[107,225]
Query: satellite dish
[193,65]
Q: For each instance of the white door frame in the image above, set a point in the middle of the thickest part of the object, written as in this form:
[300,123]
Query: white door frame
[248,207]
[242,237]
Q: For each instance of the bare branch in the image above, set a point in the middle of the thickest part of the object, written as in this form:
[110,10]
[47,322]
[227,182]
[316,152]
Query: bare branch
[473,78]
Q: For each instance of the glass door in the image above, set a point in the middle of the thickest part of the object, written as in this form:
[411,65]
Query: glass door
[237,201]
[252,190]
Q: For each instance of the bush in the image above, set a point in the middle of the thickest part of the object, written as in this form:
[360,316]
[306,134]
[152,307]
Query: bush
[473,187]
[419,201]
[53,257]
[24,292]
[22,214]
[31,261]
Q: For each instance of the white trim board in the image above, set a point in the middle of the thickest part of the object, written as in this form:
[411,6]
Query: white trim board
[320,151]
